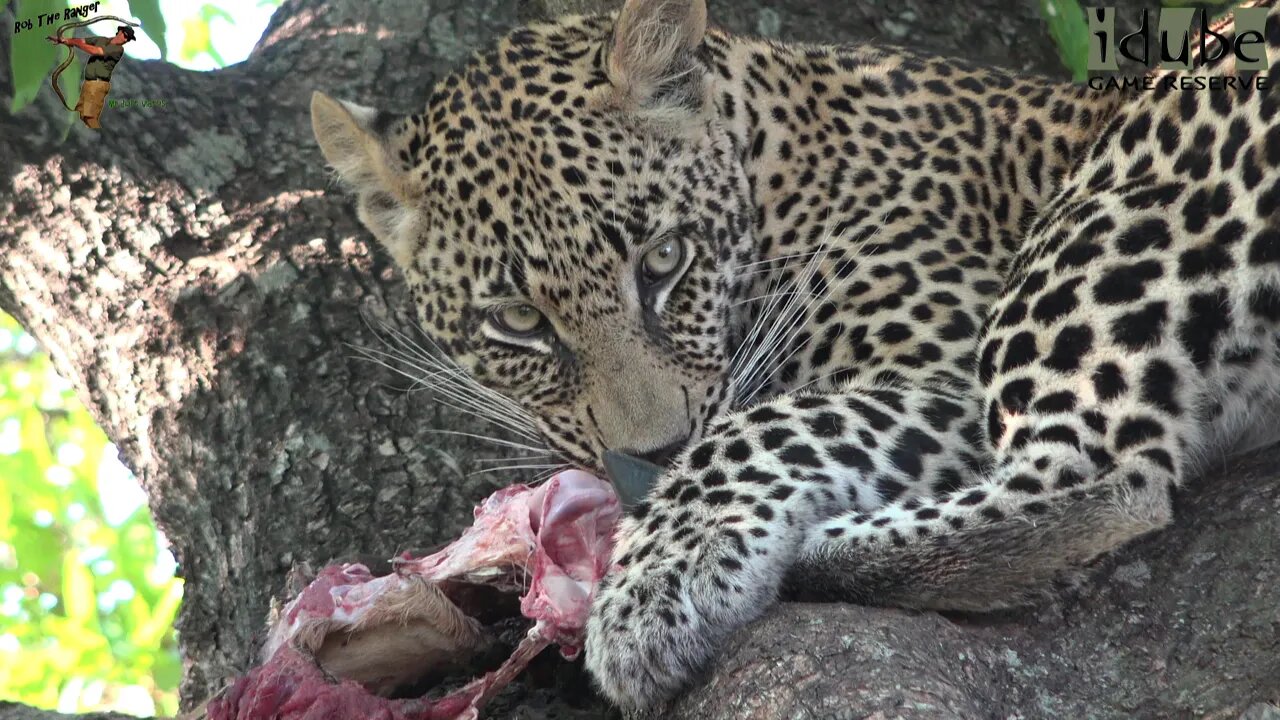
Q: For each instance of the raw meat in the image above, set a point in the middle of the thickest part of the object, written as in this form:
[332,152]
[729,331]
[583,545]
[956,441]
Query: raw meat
[351,637]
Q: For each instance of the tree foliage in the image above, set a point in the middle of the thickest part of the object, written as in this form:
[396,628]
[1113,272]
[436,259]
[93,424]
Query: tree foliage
[87,588]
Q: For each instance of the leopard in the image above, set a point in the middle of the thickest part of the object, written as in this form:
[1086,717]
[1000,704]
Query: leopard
[900,329]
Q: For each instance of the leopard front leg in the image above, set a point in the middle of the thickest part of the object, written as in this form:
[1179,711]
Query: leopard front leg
[707,552]
[996,545]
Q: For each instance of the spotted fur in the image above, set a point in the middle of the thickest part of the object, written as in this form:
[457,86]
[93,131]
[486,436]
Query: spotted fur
[939,333]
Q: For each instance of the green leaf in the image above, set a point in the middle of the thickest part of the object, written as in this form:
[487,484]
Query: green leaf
[1070,30]
[151,634]
[195,39]
[213,53]
[6,508]
[167,671]
[34,440]
[75,644]
[78,595]
[31,56]
[210,11]
[148,11]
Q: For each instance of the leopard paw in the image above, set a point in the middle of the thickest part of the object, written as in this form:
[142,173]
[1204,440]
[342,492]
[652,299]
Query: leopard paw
[671,599]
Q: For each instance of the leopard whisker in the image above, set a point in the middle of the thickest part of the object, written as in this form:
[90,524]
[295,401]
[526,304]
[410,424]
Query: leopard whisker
[766,296]
[548,474]
[441,359]
[796,328]
[819,379]
[509,468]
[508,458]
[442,382]
[775,258]
[789,316]
[540,451]
[753,341]
[447,377]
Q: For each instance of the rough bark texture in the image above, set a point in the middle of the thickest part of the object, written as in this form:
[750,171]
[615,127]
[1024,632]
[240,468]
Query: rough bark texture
[193,277]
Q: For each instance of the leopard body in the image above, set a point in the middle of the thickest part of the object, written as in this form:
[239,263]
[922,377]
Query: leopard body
[936,334]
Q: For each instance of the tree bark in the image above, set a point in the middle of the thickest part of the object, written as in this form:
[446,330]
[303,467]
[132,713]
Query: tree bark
[194,275]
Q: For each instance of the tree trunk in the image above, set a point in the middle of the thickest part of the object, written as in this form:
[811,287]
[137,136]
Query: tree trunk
[193,277]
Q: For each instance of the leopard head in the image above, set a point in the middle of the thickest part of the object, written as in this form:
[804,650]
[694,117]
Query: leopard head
[572,217]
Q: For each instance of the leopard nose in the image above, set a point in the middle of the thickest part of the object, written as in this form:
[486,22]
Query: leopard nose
[662,456]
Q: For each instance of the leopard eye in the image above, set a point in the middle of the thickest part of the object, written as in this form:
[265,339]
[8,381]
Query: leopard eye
[662,260]
[520,319]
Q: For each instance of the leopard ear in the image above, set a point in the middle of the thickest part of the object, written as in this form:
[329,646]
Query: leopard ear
[651,60]
[356,141]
